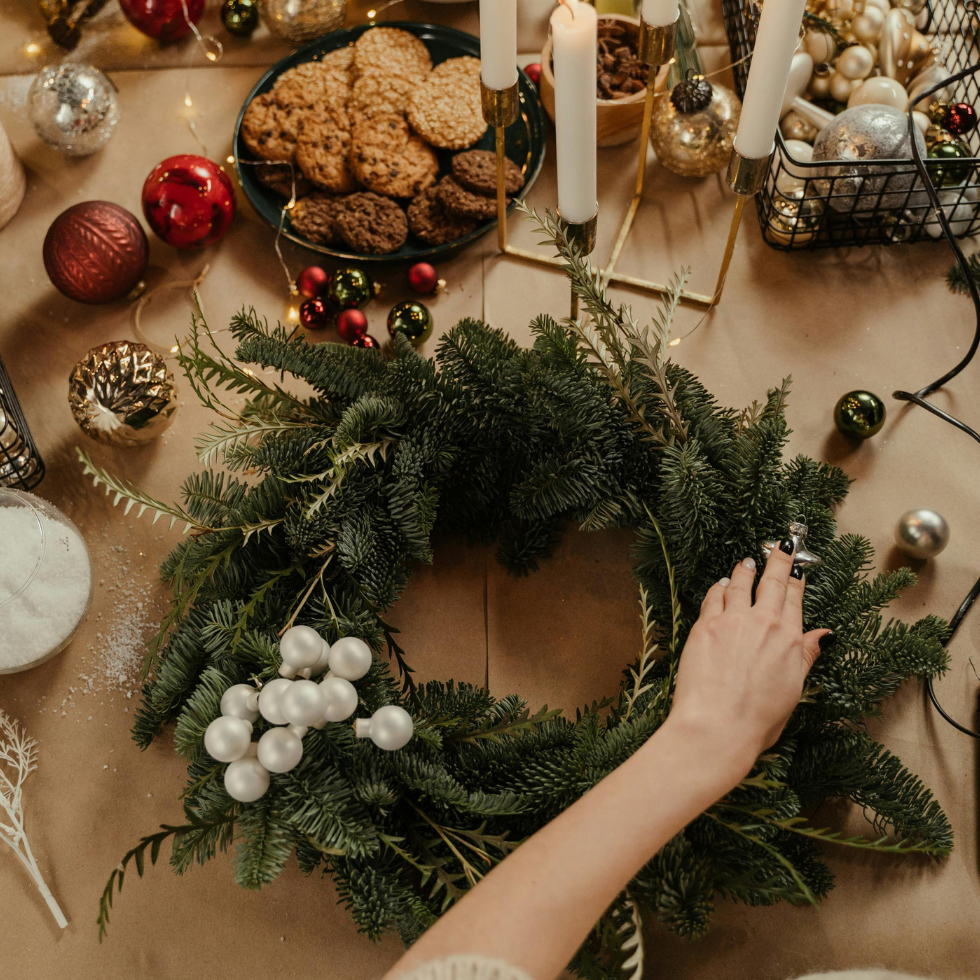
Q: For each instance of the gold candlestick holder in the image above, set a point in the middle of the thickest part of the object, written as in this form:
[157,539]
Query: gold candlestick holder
[582,236]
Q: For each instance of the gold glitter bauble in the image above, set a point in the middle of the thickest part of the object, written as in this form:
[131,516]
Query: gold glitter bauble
[122,394]
[794,220]
[698,143]
[299,21]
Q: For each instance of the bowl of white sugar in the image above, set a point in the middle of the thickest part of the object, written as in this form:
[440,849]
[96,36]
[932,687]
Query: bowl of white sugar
[45,581]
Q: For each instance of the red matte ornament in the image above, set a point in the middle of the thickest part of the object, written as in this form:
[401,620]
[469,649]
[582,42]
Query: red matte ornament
[422,278]
[314,315]
[311,280]
[95,252]
[534,73]
[961,118]
[351,325]
[189,201]
[162,19]
[367,342]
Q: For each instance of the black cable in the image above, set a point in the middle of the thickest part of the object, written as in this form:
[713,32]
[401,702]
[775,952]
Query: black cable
[919,397]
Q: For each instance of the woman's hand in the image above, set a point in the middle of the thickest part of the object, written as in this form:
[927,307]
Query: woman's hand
[744,664]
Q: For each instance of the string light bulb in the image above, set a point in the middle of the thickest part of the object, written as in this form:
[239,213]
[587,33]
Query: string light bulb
[32,49]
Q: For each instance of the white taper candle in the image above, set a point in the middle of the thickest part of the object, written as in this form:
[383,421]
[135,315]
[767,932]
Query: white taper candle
[498,43]
[779,34]
[659,13]
[573,31]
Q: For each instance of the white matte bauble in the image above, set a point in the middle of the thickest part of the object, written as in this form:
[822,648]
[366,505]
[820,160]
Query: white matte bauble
[883,5]
[246,780]
[791,178]
[280,750]
[922,121]
[350,658]
[270,700]
[841,86]
[855,62]
[880,90]
[921,533]
[925,79]
[960,207]
[341,698]
[320,667]
[820,46]
[240,701]
[227,739]
[300,646]
[390,727]
[304,703]
[867,26]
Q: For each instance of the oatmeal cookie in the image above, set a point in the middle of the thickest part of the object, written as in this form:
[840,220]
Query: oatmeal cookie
[393,50]
[322,148]
[430,222]
[326,81]
[371,224]
[445,110]
[380,92]
[476,170]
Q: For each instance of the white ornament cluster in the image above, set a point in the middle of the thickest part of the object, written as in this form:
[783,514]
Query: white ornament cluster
[298,702]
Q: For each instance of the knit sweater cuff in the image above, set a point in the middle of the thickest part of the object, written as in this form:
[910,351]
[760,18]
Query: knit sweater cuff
[469,967]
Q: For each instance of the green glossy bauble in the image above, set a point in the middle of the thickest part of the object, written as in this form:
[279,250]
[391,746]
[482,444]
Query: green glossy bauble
[348,289]
[859,414]
[411,319]
[948,171]
[240,17]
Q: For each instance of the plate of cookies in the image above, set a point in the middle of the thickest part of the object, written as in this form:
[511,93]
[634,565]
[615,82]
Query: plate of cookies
[369,144]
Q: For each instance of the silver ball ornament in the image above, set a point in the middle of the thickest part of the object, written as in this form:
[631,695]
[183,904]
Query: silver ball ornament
[227,739]
[270,700]
[246,780]
[390,727]
[341,698]
[304,703]
[301,646]
[921,533]
[73,108]
[350,658]
[240,701]
[280,750]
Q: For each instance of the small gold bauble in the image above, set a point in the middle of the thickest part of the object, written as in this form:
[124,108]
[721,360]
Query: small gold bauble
[122,394]
[794,219]
[794,127]
[936,134]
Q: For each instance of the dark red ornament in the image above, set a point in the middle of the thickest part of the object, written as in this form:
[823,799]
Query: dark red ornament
[314,315]
[422,278]
[311,280]
[367,342]
[95,252]
[162,19]
[189,201]
[534,73]
[960,118]
[351,324]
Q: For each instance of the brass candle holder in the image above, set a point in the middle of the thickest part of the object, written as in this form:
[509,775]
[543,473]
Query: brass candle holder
[746,177]
[581,236]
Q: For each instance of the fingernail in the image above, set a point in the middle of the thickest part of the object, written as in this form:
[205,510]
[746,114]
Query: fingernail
[826,640]
[796,572]
[724,581]
[787,546]
[748,562]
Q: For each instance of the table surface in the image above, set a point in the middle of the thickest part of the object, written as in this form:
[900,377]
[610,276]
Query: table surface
[877,318]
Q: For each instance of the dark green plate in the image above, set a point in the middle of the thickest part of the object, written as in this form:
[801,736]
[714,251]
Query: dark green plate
[525,139]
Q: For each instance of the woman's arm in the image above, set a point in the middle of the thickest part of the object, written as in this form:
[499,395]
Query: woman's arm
[738,681]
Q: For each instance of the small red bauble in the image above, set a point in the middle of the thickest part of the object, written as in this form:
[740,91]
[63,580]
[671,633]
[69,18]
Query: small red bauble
[534,73]
[189,201]
[310,281]
[961,118]
[367,342]
[422,278]
[351,325]
[314,315]
[95,252]
[162,19]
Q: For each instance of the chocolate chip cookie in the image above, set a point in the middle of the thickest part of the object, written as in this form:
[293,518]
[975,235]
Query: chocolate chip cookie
[315,218]
[457,200]
[371,224]
[322,148]
[271,125]
[476,170]
[396,173]
[327,81]
[430,222]
[279,177]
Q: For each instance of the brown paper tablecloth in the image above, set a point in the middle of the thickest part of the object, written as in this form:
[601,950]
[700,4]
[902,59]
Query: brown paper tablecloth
[873,318]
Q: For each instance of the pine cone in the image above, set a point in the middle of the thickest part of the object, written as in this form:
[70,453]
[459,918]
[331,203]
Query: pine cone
[691,95]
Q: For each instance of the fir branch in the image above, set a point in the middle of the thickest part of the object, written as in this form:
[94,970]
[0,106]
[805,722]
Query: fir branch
[647,659]
[508,726]
[957,281]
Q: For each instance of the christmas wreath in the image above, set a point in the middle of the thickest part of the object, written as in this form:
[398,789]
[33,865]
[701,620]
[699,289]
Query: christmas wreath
[345,489]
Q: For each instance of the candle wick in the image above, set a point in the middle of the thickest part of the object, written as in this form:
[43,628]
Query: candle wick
[571,9]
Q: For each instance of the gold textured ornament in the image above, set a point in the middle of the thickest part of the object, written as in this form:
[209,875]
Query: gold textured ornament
[795,219]
[122,394]
[903,51]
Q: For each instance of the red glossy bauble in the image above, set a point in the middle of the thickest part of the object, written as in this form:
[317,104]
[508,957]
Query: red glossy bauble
[95,252]
[189,201]
[367,342]
[351,325]
[961,118]
[310,281]
[162,19]
[534,73]
[314,314]
[422,278]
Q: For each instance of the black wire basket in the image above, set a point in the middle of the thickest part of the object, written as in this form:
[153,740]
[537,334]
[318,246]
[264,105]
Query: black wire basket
[883,202]
[21,465]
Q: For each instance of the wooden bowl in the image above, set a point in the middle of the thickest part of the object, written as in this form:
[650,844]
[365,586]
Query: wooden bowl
[617,121]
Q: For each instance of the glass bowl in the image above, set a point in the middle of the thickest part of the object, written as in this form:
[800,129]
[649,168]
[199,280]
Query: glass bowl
[45,581]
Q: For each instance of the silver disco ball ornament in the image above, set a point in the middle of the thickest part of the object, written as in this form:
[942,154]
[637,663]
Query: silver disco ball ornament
[865,133]
[73,108]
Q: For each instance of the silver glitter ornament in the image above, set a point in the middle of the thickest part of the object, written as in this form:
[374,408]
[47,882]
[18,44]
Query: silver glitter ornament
[122,394]
[298,21]
[73,108]
[921,533]
[864,133]
[797,531]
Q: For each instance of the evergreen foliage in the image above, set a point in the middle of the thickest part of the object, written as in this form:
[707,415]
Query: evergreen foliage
[342,491]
